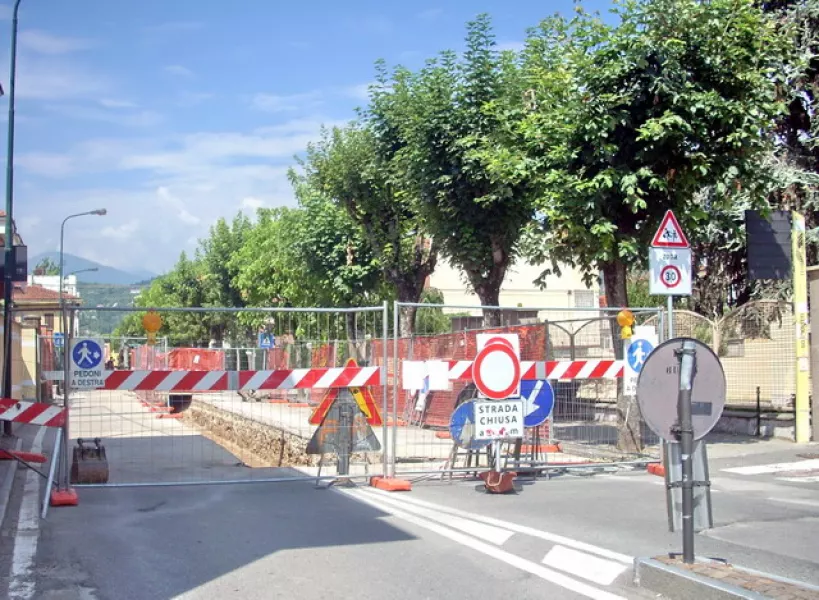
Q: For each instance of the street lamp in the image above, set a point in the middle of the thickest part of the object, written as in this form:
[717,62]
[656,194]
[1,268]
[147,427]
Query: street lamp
[100,212]
[8,257]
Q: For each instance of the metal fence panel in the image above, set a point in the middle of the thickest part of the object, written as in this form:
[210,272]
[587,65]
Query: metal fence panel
[159,427]
[584,422]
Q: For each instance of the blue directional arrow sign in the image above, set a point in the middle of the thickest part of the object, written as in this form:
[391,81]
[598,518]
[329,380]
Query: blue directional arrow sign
[462,427]
[540,401]
[637,353]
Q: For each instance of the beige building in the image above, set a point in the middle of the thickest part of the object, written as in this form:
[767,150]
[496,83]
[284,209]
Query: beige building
[566,291]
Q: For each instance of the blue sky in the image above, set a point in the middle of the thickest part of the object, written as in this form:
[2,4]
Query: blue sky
[171,114]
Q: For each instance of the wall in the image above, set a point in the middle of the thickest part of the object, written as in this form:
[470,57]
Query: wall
[18,372]
[518,287]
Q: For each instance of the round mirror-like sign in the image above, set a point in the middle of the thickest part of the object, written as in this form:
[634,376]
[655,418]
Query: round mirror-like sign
[659,383]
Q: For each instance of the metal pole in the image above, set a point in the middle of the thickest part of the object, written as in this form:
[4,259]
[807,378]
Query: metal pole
[8,250]
[670,317]
[386,372]
[396,307]
[687,358]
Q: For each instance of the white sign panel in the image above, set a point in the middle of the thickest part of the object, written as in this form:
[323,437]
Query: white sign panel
[670,271]
[498,419]
[86,364]
[636,350]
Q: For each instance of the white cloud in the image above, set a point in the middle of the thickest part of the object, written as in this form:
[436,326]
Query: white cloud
[285,103]
[139,118]
[57,80]
[170,201]
[173,186]
[179,71]
[120,232]
[43,42]
[430,14]
[359,92]
[252,203]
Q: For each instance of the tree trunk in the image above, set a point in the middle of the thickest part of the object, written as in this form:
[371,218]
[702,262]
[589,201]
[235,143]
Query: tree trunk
[629,434]
[407,320]
[352,337]
[489,294]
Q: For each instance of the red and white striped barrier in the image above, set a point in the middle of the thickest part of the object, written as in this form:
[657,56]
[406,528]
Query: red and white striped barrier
[33,413]
[461,370]
[220,381]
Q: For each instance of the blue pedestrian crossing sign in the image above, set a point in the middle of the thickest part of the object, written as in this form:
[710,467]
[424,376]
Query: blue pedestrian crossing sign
[87,354]
[539,401]
[266,340]
[637,354]
[59,340]
[462,427]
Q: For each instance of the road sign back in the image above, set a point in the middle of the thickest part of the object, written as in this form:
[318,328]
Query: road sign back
[670,234]
[659,382]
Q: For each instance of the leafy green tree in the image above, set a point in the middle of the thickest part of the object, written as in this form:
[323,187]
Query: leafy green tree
[632,119]
[184,286]
[443,134]
[46,267]
[351,167]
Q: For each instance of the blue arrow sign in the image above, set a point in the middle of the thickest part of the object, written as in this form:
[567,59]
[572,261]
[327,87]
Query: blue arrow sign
[637,353]
[540,400]
[462,427]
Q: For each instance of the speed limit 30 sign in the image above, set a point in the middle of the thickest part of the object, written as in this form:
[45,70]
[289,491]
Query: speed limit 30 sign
[670,271]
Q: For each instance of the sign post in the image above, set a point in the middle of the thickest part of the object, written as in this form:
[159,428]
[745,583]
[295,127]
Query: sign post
[692,368]
[669,260]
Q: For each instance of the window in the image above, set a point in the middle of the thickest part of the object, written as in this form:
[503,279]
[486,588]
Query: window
[584,299]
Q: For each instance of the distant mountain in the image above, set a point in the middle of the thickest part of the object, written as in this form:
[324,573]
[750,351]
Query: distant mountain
[108,275]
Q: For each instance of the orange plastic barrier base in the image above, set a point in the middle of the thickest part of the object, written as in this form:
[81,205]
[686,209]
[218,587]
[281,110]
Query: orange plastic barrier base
[26,456]
[541,448]
[388,484]
[66,497]
[443,435]
[499,483]
[656,469]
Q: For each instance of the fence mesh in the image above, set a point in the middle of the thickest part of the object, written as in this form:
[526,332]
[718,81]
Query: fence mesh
[584,420]
[153,435]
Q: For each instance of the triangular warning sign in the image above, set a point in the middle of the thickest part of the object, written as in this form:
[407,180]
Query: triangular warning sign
[363,398]
[670,234]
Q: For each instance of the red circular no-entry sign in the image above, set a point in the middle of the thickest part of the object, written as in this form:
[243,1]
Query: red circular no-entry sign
[496,369]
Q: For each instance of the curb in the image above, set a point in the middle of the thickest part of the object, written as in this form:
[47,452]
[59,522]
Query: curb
[8,484]
[671,581]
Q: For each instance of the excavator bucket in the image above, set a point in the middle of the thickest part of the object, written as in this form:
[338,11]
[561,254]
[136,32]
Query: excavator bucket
[89,464]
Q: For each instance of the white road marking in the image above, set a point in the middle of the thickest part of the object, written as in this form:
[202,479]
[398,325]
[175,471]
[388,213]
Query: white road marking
[488,533]
[814,503]
[809,479]
[512,560]
[21,583]
[580,564]
[531,531]
[802,465]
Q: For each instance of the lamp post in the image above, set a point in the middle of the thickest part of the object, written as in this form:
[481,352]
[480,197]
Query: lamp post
[8,257]
[100,212]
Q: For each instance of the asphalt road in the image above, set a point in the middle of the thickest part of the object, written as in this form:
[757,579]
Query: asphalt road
[565,537]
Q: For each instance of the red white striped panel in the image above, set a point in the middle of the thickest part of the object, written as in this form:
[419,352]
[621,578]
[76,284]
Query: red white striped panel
[34,413]
[461,370]
[216,381]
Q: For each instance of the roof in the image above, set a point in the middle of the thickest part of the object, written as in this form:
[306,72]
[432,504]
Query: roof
[38,293]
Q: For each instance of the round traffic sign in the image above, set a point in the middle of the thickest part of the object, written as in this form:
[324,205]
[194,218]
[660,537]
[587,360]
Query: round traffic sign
[670,276]
[496,370]
[659,382]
